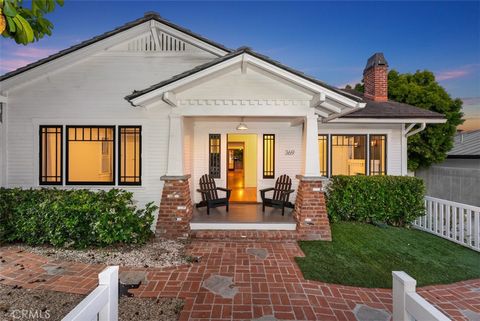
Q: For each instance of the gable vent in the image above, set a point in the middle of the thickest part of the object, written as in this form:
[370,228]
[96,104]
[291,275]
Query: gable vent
[166,43]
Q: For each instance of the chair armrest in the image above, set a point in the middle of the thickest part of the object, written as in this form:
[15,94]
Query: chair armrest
[288,192]
[266,190]
[224,189]
[203,190]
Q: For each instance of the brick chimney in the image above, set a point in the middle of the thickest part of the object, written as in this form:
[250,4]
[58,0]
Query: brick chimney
[375,78]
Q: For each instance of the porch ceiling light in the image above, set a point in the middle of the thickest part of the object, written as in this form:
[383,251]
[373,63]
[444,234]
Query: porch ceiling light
[242,126]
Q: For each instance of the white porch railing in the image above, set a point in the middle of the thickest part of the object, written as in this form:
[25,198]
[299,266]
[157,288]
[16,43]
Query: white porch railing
[408,305]
[102,303]
[457,222]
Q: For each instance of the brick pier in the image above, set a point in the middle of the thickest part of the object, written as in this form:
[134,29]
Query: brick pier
[176,208]
[310,210]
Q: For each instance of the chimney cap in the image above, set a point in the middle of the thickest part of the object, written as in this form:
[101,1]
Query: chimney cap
[377,59]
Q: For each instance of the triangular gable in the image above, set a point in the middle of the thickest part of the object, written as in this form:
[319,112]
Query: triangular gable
[151,23]
[327,100]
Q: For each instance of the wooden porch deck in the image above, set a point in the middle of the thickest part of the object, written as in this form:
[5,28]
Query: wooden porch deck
[243,216]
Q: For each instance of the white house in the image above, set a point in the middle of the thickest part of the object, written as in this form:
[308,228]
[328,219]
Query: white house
[151,107]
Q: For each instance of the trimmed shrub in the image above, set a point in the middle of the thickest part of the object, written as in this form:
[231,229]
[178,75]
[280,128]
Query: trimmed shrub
[395,200]
[73,218]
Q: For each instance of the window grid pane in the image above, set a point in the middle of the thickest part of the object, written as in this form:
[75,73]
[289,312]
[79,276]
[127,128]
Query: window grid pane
[378,155]
[90,155]
[214,155]
[323,152]
[130,155]
[268,156]
[349,155]
[50,155]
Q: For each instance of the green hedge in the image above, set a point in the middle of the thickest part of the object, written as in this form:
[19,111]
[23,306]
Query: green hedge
[395,200]
[73,218]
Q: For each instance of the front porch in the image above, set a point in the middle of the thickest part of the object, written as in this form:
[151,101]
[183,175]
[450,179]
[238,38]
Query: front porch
[243,217]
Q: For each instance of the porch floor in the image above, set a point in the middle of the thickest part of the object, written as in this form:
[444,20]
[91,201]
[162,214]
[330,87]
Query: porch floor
[243,216]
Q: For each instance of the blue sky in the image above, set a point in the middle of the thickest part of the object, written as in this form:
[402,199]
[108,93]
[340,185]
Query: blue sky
[328,40]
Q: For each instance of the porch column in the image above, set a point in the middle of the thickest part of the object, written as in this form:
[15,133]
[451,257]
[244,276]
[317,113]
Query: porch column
[175,162]
[310,210]
[310,138]
[176,208]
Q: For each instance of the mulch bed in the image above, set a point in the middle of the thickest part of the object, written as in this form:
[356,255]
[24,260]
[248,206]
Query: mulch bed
[17,303]
[157,253]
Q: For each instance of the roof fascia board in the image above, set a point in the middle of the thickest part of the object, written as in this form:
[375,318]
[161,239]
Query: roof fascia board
[390,120]
[72,58]
[191,40]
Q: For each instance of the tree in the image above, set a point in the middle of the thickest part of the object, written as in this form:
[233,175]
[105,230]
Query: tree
[26,25]
[422,90]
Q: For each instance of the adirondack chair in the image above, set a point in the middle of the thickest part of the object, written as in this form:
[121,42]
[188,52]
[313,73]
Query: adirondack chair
[281,194]
[209,192]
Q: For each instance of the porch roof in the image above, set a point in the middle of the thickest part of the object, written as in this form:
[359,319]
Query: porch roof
[239,51]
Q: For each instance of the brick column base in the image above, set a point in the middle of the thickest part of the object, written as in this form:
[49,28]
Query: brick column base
[310,210]
[176,208]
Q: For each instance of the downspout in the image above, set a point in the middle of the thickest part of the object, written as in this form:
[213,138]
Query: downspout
[407,132]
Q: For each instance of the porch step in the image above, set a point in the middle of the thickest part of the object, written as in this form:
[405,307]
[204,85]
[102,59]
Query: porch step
[261,226]
[244,235]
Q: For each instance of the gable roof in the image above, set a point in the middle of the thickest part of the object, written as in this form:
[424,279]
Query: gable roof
[239,51]
[389,109]
[466,145]
[147,17]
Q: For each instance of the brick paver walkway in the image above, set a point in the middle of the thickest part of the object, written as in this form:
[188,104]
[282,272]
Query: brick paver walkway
[273,286]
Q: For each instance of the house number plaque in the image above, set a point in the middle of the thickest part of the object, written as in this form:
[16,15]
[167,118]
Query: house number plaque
[290,152]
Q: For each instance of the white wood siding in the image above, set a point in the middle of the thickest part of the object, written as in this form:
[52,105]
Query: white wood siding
[91,93]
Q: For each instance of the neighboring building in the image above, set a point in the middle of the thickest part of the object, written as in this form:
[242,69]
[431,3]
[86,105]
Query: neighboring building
[457,178]
[83,118]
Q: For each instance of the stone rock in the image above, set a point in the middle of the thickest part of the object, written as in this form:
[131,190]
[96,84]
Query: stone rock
[53,269]
[220,285]
[132,277]
[260,253]
[365,313]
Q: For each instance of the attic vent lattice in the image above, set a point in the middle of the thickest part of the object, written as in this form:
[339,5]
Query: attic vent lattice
[166,43]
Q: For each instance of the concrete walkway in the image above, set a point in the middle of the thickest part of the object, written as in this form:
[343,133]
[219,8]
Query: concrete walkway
[239,281]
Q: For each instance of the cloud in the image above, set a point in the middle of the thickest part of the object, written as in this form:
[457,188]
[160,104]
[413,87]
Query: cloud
[459,72]
[18,57]
[12,64]
[34,53]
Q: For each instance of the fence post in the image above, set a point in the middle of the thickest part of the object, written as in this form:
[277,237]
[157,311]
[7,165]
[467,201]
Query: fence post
[402,284]
[109,277]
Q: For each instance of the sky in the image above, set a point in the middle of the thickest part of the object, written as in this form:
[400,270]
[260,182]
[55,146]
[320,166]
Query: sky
[328,40]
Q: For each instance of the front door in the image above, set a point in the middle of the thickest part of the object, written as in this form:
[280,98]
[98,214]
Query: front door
[242,167]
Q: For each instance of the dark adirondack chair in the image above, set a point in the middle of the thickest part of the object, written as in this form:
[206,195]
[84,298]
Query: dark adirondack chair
[281,194]
[209,192]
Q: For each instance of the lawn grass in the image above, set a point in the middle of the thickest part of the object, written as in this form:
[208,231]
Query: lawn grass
[365,255]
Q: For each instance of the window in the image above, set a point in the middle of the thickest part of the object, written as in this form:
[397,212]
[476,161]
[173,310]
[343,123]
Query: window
[349,155]
[268,156]
[90,155]
[378,154]
[50,149]
[129,160]
[214,155]
[323,152]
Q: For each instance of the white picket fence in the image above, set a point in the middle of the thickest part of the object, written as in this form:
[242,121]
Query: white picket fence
[102,303]
[408,305]
[457,222]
